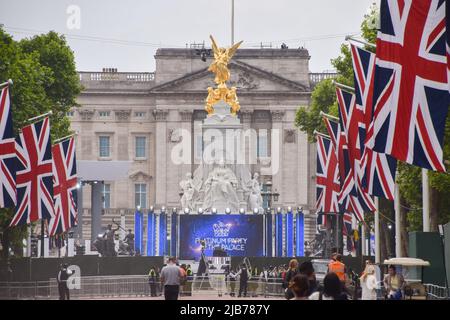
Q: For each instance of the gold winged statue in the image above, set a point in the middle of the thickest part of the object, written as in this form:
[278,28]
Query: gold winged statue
[219,67]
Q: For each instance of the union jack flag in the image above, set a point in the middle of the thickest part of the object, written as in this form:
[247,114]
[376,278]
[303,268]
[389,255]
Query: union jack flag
[64,187]
[327,177]
[353,197]
[351,124]
[34,174]
[7,153]
[447,18]
[348,223]
[339,143]
[411,89]
[377,169]
[322,220]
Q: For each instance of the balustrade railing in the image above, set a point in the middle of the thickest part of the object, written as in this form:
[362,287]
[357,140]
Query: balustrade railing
[117,76]
[316,77]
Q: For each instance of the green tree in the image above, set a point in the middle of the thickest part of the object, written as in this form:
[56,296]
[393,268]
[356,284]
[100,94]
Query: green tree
[408,177]
[323,99]
[44,75]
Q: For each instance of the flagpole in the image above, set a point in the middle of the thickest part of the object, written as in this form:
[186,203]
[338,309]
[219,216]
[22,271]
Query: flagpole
[232,22]
[7,83]
[29,241]
[42,238]
[377,231]
[363,240]
[65,138]
[320,134]
[323,114]
[398,229]
[343,86]
[41,116]
[425,201]
[351,38]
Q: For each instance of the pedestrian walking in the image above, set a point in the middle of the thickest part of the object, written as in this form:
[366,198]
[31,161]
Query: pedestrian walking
[129,240]
[290,274]
[306,268]
[63,276]
[152,281]
[368,282]
[338,267]
[171,277]
[243,275]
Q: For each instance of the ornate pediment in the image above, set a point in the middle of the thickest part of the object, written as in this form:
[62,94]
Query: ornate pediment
[140,176]
[245,77]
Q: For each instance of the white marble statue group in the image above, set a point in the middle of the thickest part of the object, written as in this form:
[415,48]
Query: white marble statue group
[221,188]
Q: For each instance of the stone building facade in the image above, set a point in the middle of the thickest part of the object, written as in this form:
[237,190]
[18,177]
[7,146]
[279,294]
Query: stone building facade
[135,116]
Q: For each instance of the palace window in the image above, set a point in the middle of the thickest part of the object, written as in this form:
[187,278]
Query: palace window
[140,195]
[104,146]
[262,143]
[141,143]
[139,114]
[106,196]
[70,113]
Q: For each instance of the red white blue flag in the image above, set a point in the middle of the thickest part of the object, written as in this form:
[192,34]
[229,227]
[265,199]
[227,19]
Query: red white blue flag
[7,153]
[34,174]
[64,187]
[411,87]
[377,169]
[339,142]
[348,227]
[351,121]
[327,177]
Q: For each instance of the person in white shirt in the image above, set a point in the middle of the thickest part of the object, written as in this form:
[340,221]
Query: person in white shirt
[368,282]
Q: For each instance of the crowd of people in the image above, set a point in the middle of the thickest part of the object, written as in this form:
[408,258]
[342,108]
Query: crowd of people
[301,284]
[296,281]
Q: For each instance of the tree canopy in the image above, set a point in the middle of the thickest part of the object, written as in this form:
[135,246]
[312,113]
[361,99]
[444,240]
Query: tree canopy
[45,78]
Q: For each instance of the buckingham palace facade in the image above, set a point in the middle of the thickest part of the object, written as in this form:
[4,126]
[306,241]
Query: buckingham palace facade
[135,117]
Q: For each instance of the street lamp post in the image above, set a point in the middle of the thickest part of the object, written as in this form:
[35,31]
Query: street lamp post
[269,195]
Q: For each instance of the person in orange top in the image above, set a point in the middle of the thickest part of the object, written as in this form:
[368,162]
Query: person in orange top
[338,267]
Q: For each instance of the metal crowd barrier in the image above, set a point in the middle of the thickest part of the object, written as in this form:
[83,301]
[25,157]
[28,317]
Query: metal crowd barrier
[138,286]
[435,292]
[26,290]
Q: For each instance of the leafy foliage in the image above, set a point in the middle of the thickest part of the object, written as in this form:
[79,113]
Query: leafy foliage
[323,99]
[45,78]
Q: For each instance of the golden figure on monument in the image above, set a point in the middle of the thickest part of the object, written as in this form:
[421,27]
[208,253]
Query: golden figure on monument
[219,67]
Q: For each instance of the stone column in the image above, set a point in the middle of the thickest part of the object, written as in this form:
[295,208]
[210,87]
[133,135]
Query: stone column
[246,118]
[186,125]
[161,156]
[277,153]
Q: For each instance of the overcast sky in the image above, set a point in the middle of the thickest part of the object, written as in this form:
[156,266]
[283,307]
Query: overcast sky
[126,34]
